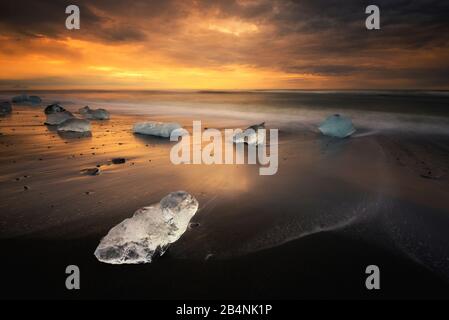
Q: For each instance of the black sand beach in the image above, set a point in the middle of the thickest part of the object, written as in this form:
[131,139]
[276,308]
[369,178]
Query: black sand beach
[335,206]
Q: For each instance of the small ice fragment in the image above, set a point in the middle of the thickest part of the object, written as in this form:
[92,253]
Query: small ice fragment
[149,232]
[94,114]
[74,125]
[337,126]
[158,129]
[58,117]
[5,108]
[250,135]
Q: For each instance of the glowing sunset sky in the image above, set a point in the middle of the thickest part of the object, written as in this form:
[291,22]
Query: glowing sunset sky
[232,44]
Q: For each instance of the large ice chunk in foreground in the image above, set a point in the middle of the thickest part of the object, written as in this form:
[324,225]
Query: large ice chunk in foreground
[250,135]
[74,125]
[154,128]
[94,114]
[149,231]
[337,126]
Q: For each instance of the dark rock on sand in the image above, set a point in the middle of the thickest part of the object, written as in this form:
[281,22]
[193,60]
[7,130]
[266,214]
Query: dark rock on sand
[431,175]
[118,160]
[91,171]
[193,225]
[5,108]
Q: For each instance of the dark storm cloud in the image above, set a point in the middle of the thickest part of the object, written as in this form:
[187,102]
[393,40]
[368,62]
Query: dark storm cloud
[322,37]
[47,18]
[404,22]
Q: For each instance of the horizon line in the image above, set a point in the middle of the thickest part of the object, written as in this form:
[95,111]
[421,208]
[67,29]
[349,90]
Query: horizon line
[223,90]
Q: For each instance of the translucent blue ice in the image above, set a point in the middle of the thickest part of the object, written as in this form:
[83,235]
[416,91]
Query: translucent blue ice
[337,126]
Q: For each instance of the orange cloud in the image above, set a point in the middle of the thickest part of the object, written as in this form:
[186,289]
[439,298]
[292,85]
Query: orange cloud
[233,44]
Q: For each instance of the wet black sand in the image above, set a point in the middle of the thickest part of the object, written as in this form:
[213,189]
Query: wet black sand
[309,231]
[325,266]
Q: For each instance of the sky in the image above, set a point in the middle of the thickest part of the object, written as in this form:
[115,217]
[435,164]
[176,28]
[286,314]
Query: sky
[229,44]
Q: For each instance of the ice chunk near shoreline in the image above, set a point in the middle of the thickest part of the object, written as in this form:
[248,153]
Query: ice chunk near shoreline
[20,99]
[26,99]
[154,128]
[56,114]
[337,126]
[58,117]
[74,125]
[94,114]
[250,136]
[34,100]
[54,108]
[5,108]
[149,232]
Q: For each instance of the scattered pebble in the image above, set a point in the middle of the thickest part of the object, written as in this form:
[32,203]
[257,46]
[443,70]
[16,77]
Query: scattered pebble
[118,160]
[193,225]
[431,175]
[91,171]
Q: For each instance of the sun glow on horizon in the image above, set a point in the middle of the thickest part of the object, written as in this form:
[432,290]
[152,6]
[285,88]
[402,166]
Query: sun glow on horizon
[84,64]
